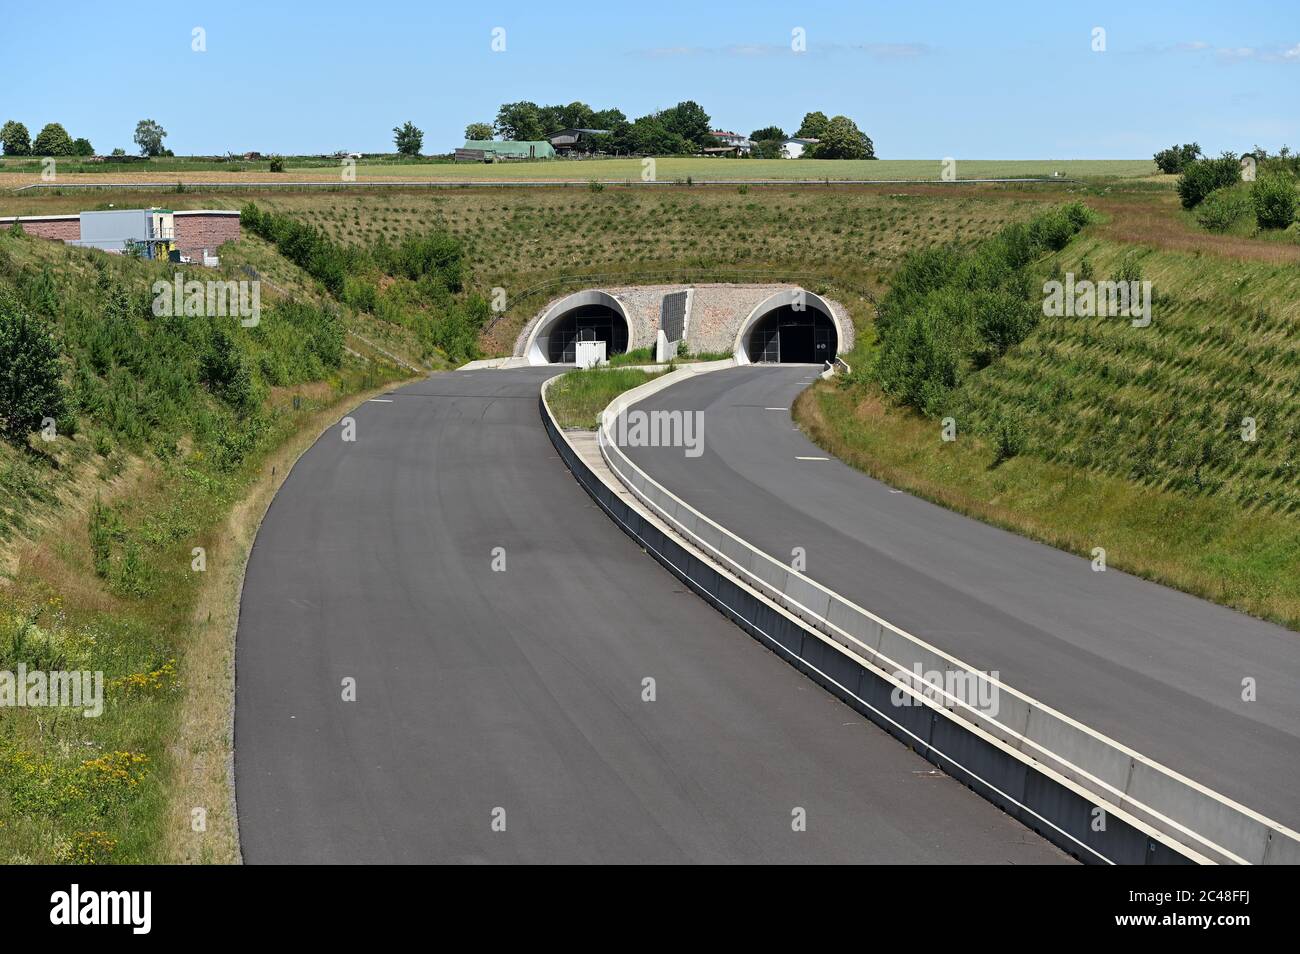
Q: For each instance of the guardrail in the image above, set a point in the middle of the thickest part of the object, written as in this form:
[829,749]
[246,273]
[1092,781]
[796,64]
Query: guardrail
[1163,807]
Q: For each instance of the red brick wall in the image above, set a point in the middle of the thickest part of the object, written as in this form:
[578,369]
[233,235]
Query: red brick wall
[63,230]
[194,233]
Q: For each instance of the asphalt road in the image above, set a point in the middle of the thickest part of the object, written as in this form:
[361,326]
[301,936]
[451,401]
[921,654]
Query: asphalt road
[1153,668]
[523,690]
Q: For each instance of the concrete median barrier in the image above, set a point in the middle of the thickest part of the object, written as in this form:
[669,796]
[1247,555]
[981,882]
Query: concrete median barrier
[1088,793]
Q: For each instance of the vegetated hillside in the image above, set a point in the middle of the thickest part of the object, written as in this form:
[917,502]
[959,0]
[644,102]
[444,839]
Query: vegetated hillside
[161,425]
[414,283]
[1164,405]
[1090,432]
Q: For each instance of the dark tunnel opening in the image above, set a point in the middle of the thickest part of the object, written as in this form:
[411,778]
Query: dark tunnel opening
[787,336]
[586,323]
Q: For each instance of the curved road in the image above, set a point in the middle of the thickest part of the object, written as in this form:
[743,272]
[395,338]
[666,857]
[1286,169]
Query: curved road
[522,690]
[1153,668]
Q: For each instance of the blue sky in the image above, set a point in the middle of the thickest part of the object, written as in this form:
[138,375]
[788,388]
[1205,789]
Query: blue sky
[923,79]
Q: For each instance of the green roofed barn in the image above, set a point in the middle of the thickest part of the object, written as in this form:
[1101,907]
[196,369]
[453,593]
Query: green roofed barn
[495,150]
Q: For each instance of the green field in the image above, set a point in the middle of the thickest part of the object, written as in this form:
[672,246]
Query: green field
[666,169]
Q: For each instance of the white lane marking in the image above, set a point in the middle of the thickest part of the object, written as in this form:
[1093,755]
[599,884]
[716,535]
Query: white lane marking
[812,458]
[381,400]
[776,409]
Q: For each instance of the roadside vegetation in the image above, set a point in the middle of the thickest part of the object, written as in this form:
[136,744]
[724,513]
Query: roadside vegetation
[1172,446]
[129,440]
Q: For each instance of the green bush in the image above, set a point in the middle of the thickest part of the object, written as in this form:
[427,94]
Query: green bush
[31,386]
[1223,208]
[1273,198]
[951,309]
[1202,177]
[1009,437]
[1177,158]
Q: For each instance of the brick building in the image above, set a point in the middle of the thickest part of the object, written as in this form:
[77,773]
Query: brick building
[193,233]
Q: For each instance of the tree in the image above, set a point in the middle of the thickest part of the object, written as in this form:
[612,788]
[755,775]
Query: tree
[82,147]
[149,136]
[408,138]
[1176,158]
[17,141]
[607,119]
[841,139]
[31,386]
[53,140]
[478,132]
[519,122]
[688,120]
[813,126]
[767,132]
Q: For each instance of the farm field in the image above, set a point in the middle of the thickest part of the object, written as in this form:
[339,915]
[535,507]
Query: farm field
[15,173]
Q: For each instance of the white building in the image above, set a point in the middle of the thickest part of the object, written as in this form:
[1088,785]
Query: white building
[794,148]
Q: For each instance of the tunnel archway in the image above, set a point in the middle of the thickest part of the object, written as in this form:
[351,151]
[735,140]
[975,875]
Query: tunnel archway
[583,316]
[791,327]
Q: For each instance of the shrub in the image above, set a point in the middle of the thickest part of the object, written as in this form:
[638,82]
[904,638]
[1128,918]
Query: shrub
[1203,176]
[31,386]
[1222,209]
[1273,197]
[1176,158]
[277,164]
[1009,437]
[950,308]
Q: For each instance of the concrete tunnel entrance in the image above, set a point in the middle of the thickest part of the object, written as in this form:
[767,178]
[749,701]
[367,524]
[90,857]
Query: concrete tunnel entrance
[791,327]
[586,323]
[584,316]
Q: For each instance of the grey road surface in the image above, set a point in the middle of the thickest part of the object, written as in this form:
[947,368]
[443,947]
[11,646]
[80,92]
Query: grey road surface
[523,690]
[1153,668]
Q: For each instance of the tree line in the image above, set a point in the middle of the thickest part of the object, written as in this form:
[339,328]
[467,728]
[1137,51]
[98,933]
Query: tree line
[682,129]
[54,140]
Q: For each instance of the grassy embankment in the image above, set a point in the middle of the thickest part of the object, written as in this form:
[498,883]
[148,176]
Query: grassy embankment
[173,435]
[1093,433]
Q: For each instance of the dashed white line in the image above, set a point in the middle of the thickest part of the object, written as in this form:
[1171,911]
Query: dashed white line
[812,458]
[381,400]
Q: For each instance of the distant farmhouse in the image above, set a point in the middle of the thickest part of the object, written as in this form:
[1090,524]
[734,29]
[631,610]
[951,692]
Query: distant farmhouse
[729,143]
[192,235]
[498,150]
[794,148]
[576,141]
